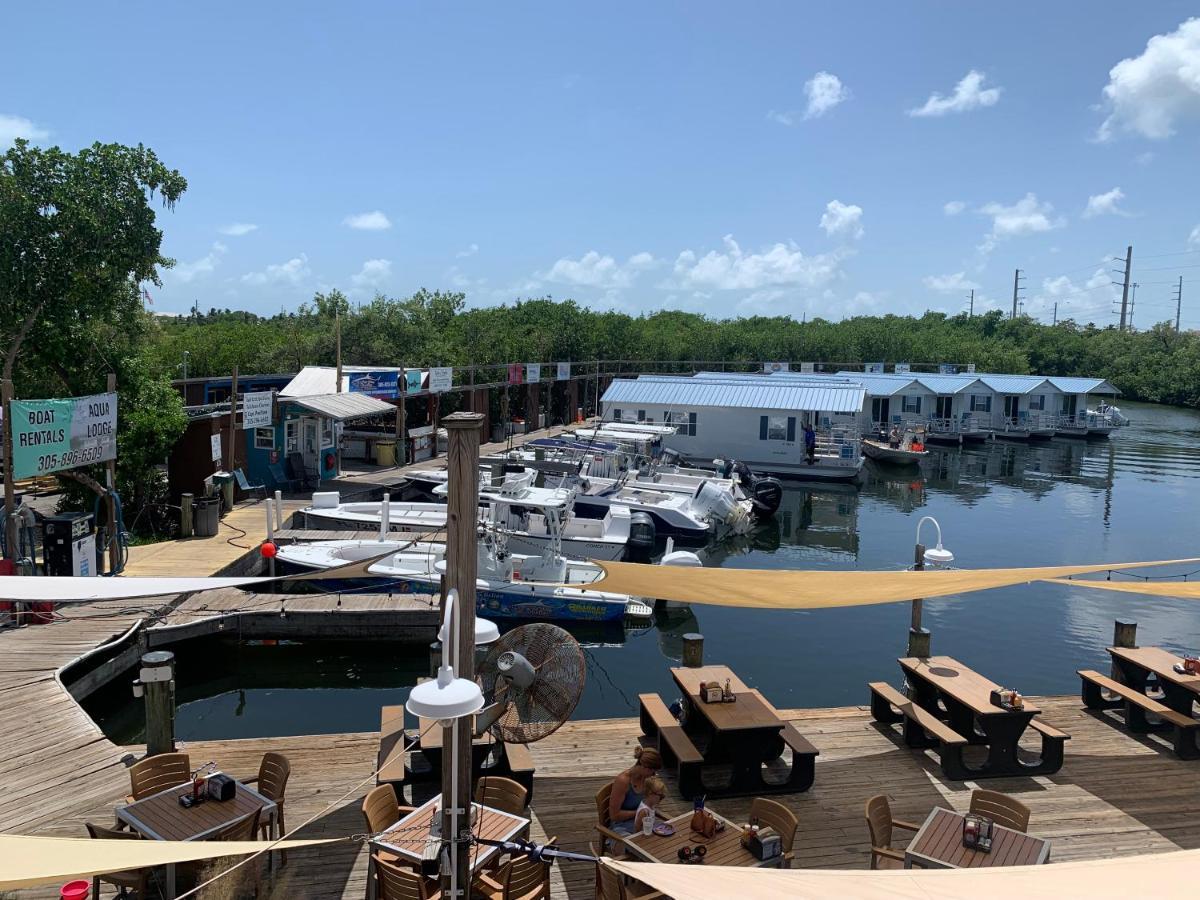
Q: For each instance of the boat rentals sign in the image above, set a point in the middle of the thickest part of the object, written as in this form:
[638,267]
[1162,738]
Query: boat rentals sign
[441,379]
[53,435]
[256,409]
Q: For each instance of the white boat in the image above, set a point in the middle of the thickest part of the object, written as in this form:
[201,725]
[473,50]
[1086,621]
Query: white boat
[510,585]
[531,518]
[1104,420]
[908,451]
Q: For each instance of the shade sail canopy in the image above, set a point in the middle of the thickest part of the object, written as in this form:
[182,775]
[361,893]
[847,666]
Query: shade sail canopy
[86,589]
[1188,590]
[788,589]
[1160,874]
[30,861]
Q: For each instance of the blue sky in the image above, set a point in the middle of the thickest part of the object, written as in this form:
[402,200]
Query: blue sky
[774,158]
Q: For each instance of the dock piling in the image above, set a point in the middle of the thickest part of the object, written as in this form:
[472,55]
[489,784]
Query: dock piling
[158,681]
[693,650]
[185,515]
[279,510]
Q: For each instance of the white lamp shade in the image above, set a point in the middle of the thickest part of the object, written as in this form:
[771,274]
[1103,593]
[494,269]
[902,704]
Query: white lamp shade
[486,632]
[939,556]
[445,699]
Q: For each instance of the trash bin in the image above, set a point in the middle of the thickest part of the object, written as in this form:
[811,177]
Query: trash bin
[206,516]
[223,482]
[385,453]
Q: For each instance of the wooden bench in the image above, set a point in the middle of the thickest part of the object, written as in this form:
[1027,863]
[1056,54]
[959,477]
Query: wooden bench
[1053,743]
[1135,705]
[390,760]
[804,754]
[672,743]
[922,729]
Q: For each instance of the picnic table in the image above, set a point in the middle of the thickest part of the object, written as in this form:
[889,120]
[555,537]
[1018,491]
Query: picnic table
[412,839]
[159,817]
[938,845]
[1138,664]
[722,849]
[742,735]
[952,703]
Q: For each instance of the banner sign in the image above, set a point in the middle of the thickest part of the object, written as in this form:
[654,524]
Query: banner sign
[412,382]
[533,372]
[52,435]
[874,368]
[947,369]
[256,409]
[385,385]
[441,379]
[970,368]
[515,372]
[806,368]
[775,367]
[903,368]
[216,447]
[564,371]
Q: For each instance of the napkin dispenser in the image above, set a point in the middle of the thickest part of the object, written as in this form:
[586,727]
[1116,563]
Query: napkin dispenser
[711,692]
[764,844]
[221,787]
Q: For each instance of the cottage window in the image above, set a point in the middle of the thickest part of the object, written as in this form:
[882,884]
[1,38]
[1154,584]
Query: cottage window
[264,438]
[291,436]
[911,404]
[1037,402]
[616,417]
[777,428]
[684,422]
[327,432]
[641,415]
[981,403]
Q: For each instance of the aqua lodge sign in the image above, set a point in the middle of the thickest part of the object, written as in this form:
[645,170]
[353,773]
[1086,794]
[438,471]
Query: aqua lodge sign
[52,435]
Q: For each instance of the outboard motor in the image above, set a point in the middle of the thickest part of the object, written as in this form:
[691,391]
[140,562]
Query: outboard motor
[641,533]
[670,457]
[765,493]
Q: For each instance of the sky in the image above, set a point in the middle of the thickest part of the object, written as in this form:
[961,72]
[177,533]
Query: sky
[769,158]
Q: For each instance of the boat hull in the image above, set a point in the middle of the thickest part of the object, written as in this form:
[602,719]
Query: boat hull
[893,456]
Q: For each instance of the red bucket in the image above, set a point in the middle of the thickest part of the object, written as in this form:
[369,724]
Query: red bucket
[75,890]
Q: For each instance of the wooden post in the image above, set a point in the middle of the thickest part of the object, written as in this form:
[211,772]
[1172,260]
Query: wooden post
[462,565]
[1124,634]
[11,542]
[693,650]
[185,515]
[158,679]
[114,539]
[918,637]
[231,453]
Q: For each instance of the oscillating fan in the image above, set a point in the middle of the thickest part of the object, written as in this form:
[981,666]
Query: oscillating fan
[532,680]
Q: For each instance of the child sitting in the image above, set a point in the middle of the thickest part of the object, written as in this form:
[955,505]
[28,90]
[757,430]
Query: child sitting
[654,792]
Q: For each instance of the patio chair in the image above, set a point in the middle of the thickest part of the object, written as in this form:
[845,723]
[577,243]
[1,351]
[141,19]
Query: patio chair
[880,824]
[782,820]
[246,487]
[157,773]
[521,878]
[299,471]
[502,793]
[393,882]
[272,779]
[1002,809]
[137,880]
[280,477]
[381,810]
[244,829]
[611,886]
[610,841]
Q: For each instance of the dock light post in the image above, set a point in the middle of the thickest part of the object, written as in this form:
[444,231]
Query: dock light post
[156,681]
[918,637]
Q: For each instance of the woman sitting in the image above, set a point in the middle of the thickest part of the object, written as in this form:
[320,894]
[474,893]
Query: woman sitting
[629,789]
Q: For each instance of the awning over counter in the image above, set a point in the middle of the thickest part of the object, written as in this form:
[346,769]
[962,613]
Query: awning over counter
[342,406]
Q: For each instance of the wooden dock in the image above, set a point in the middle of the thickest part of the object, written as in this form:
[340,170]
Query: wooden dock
[1115,795]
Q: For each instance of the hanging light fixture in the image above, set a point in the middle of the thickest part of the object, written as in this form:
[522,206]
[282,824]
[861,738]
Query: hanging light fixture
[939,555]
[446,697]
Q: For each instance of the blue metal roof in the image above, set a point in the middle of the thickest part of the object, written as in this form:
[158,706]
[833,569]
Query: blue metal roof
[761,393]
[937,384]
[1014,384]
[1072,385]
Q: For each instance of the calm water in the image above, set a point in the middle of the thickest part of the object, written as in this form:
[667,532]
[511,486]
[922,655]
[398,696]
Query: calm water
[1135,496]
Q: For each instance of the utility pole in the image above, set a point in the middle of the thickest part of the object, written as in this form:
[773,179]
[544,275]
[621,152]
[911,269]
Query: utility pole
[971,308]
[337,331]
[1055,320]
[1017,279]
[1132,303]
[1178,303]
[1125,286]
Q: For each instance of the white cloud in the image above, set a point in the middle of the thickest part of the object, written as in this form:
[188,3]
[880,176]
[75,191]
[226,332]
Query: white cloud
[1105,204]
[373,273]
[781,118]
[968,94]
[734,269]
[954,207]
[594,270]
[1149,94]
[1194,237]
[13,127]
[368,221]
[185,272]
[237,229]
[954,283]
[294,271]
[842,219]
[824,91]
[1027,216]
[468,251]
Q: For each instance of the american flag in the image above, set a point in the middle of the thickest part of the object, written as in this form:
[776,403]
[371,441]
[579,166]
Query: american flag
[146,296]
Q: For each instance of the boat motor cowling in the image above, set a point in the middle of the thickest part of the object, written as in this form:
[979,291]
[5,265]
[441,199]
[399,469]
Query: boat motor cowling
[642,532]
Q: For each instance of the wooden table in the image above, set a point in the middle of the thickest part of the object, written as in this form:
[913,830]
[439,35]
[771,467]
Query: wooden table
[161,818]
[412,836]
[1137,664]
[938,845]
[723,849]
[966,697]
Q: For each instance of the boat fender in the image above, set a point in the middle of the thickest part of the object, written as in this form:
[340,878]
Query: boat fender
[685,558]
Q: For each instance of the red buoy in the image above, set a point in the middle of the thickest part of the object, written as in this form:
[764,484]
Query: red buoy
[268,549]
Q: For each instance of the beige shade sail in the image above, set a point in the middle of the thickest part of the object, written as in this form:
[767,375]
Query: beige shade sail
[30,861]
[790,589]
[1162,875]
[1187,590]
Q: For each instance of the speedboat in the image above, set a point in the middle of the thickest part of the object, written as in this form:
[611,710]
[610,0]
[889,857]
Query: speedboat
[510,585]
[909,449]
[1104,420]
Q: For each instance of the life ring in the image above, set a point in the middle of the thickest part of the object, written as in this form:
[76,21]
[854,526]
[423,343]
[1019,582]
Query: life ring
[330,460]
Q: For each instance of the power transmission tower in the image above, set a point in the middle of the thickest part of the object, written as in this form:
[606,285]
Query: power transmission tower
[1017,279]
[971,308]
[1125,285]
[1055,321]
[1132,303]
[1178,303]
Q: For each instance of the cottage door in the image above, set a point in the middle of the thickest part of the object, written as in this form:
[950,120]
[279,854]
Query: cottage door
[310,447]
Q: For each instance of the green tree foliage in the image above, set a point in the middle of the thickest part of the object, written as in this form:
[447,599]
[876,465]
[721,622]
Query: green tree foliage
[432,327]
